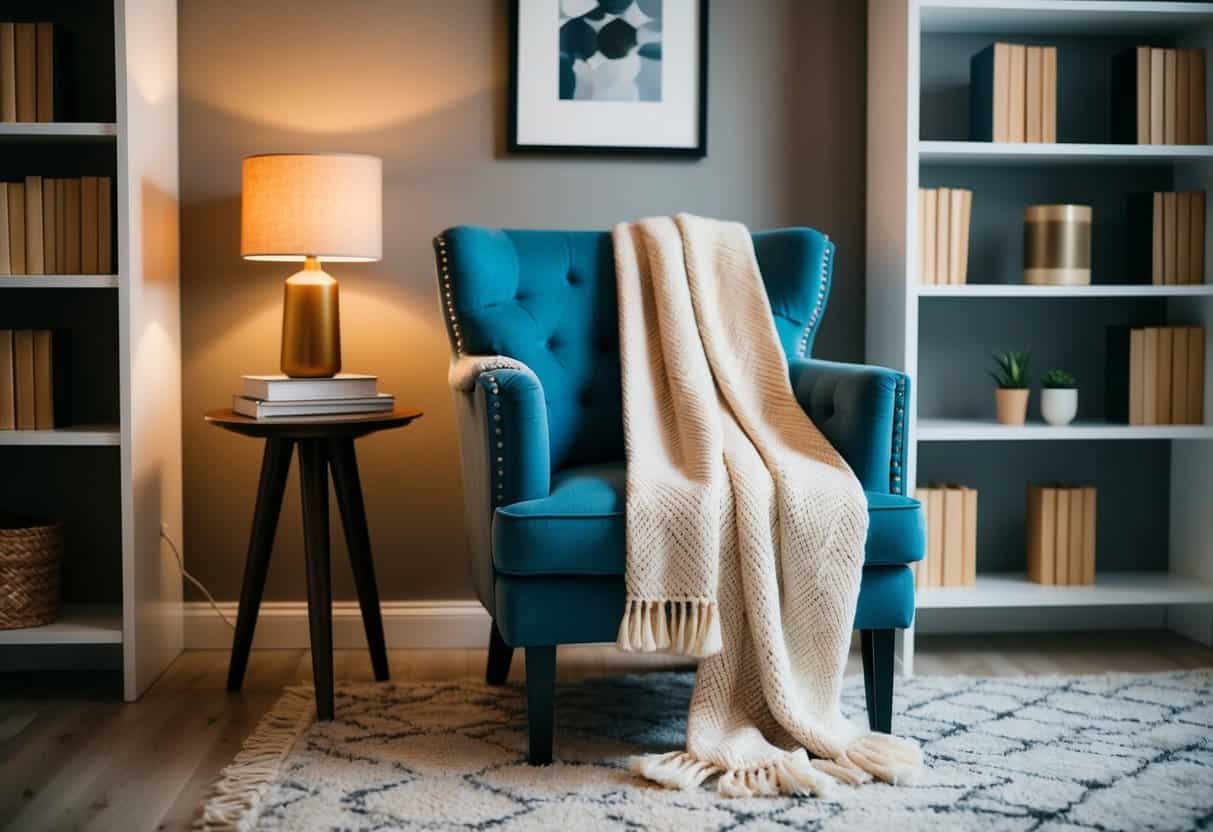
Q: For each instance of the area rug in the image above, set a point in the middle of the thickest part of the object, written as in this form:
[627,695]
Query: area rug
[1032,753]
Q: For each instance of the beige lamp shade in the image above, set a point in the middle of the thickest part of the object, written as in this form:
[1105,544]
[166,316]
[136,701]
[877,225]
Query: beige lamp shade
[327,205]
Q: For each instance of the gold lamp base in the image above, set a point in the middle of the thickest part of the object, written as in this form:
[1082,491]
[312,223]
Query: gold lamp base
[311,324]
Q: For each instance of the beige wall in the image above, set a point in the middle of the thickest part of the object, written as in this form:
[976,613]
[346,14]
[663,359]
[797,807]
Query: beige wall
[421,83]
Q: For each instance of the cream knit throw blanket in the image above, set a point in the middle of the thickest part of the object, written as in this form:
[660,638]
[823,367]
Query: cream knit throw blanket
[745,527]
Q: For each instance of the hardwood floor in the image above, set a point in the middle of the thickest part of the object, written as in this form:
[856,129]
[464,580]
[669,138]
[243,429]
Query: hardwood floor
[72,756]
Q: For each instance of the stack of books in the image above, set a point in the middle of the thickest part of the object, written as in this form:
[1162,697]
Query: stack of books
[279,396]
[1166,238]
[1061,534]
[57,226]
[943,234]
[951,536]
[1158,96]
[1013,93]
[31,72]
[1156,375]
[31,362]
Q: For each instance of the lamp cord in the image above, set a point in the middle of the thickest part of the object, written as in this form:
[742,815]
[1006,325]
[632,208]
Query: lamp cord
[197,583]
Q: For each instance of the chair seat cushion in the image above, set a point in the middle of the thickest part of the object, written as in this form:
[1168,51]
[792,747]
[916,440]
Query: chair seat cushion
[579,528]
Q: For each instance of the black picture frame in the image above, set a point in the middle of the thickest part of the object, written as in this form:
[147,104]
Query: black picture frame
[699,151]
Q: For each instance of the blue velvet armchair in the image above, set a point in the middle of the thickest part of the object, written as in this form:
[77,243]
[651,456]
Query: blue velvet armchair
[543,458]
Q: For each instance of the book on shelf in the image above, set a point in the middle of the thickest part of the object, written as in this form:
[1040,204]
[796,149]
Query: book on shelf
[33,72]
[1165,238]
[1013,94]
[34,263]
[26,71]
[16,227]
[943,225]
[71,230]
[1060,531]
[1155,375]
[951,512]
[49,252]
[943,229]
[990,94]
[1195,392]
[1041,533]
[1162,372]
[1017,101]
[57,226]
[6,262]
[280,388]
[926,230]
[1035,94]
[1048,99]
[88,225]
[259,409]
[8,399]
[23,377]
[1158,96]
[8,72]
[34,379]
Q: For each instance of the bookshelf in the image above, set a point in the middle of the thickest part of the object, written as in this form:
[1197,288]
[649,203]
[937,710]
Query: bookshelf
[1155,552]
[113,476]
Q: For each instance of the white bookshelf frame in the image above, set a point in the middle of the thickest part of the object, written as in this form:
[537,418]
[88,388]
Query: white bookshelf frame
[148,625]
[1184,593]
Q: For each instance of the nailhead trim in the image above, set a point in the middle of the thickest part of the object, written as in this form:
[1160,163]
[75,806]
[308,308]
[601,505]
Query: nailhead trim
[899,431]
[444,275]
[493,391]
[803,347]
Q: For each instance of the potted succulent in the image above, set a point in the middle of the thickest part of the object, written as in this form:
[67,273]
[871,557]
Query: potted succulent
[1012,393]
[1058,397]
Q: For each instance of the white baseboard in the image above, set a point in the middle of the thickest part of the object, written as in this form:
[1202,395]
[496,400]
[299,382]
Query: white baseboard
[283,625]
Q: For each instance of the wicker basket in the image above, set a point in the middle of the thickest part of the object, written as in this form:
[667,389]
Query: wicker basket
[30,551]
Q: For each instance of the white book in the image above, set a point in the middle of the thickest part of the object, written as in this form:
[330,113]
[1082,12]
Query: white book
[257,409]
[280,388]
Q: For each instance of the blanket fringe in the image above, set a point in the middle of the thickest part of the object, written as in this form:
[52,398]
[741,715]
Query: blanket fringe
[235,799]
[689,627]
[893,760]
[792,774]
[675,770]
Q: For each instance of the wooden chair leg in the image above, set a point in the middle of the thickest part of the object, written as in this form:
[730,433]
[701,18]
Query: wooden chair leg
[500,655]
[877,649]
[540,702]
[313,479]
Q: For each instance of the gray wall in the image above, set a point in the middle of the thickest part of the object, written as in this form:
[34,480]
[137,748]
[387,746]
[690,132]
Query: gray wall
[423,85]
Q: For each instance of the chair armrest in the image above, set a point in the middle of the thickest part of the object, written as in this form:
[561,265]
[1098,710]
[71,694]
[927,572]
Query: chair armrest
[504,450]
[862,411]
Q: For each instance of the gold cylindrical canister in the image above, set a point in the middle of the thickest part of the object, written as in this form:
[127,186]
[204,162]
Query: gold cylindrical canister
[1057,245]
[311,324]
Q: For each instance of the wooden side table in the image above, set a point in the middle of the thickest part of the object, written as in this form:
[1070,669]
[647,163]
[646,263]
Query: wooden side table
[324,444]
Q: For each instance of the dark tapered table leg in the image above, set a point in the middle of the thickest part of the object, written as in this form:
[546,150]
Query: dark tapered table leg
[358,540]
[275,463]
[313,468]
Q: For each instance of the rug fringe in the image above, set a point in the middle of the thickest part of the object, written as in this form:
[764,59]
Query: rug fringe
[686,626]
[235,798]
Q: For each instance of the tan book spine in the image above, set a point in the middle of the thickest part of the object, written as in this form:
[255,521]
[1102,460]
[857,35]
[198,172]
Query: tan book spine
[1182,100]
[929,218]
[1170,85]
[1032,521]
[23,377]
[1048,117]
[935,537]
[1183,246]
[1002,92]
[1165,342]
[88,225]
[943,224]
[953,536]
[1137,377]
[6,265]
[8,72]
[105,225]
[8,401]
[49,258]
[1170,236]
[955,235]
[1150,376]
[1158,98]
[1048,535]
[27,72]
[1034,95]
[1088,535]
[1018,76]
[922,235]
[16,227]
[1061,546]
[969,566]
[1160,243]
[1143,95]
[966,215]
[34,264]
[1077,526]
[44,397]
[45,59]
[61,225]
[1196,237]
[1196,92]
[72,231]
[1179,375]
[1196,375]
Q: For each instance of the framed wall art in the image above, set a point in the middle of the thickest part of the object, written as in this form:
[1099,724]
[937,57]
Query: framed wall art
[608,76]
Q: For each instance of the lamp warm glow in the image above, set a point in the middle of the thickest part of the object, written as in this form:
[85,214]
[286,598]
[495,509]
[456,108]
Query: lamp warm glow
[311,208]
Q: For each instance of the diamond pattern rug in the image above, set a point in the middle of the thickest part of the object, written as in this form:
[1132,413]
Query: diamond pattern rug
[1033,753]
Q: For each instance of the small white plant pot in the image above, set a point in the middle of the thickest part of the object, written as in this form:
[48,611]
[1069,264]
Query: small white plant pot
[1059,406]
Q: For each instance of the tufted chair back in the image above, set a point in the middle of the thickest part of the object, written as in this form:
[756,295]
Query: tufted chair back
[547,299]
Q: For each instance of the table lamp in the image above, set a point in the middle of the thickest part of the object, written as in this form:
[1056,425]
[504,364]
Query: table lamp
[312,207]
